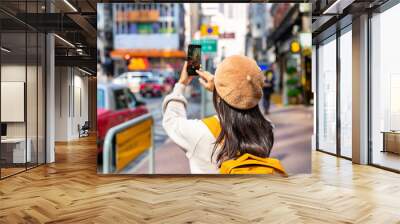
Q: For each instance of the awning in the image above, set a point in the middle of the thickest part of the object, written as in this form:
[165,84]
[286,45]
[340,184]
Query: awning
[283,31]
[153,53]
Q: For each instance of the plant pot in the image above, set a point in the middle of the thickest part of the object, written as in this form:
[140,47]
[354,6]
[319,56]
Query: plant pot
[292,100]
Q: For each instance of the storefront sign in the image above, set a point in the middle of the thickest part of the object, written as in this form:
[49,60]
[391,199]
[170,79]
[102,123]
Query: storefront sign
[138,64]
[295,47]
[138,16]
[208,30]
[303,8]
[142,53]
[305,40]
[263,67]
[150,41]
[132,142]
[227,35]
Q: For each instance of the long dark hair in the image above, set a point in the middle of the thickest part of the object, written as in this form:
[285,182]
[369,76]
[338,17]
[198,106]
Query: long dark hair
[242,131]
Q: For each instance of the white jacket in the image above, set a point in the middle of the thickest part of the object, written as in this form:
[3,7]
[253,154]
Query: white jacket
[191,135]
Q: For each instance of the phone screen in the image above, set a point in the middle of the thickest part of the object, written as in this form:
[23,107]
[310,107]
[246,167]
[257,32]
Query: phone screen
[193,59]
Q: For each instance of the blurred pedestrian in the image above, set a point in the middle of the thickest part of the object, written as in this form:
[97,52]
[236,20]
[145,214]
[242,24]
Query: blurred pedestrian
[268,89]
[238,140]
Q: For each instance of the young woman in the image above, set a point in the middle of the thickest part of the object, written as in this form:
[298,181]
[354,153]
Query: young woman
[239,139]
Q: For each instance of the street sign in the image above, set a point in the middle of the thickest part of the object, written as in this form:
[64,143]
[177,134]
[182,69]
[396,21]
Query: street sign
[207,45]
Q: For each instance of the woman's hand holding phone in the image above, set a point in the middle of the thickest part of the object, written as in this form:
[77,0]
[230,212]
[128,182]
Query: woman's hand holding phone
[185,79]
[206,80]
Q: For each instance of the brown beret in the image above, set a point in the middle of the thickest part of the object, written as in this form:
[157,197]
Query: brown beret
[239,82]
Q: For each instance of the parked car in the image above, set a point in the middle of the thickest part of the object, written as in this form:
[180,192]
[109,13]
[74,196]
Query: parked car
[116,104]
[152,87]
[169,83]
[133,79]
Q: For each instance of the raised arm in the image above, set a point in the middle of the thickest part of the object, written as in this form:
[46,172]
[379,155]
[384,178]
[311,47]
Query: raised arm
[183,131]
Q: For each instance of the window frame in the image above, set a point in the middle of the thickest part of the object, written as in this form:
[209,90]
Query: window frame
[333,37]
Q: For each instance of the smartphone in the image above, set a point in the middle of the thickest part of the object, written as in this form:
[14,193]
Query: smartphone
[193,59]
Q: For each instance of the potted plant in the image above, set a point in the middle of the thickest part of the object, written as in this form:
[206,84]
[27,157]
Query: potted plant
[292,83]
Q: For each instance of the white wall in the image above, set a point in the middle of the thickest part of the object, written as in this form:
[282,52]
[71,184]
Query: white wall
[71,102]
[61,103]
[33,126]
[80,110]
[12,73]
[13,101]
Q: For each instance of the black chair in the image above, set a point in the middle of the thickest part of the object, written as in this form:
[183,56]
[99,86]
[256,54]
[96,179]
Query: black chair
[84,130]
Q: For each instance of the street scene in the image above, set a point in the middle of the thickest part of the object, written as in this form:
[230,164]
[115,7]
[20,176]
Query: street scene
[142,49]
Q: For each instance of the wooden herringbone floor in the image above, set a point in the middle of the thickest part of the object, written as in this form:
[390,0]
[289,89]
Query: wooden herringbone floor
[70,191]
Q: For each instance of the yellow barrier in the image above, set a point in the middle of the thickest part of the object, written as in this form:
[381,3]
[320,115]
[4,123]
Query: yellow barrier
[132,142]
[126,142]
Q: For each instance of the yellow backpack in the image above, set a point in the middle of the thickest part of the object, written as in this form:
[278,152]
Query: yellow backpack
[246,163]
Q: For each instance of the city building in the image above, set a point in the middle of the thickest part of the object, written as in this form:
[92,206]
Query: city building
[147,37]
[193,20]
[289,46]
[104,39]
[231,27]
[256,38]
